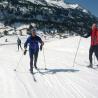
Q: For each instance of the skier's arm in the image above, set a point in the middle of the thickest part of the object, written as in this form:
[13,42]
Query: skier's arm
[41,42]
[41,46]
[20,41]
[25,46]
[26,43]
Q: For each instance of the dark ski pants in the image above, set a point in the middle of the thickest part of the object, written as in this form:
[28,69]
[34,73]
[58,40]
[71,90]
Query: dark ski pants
[93,49]
[19,46]
[33,58]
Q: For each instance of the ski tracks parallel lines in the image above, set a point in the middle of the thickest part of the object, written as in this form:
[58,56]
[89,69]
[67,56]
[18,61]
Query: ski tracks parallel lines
[25,86]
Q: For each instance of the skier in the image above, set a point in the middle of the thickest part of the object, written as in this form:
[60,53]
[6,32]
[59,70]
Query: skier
[19,43]
[94,44]
[6,40]
[33,42]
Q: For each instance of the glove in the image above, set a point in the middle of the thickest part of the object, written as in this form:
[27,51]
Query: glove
[40,47]
[25,51]
[85,36]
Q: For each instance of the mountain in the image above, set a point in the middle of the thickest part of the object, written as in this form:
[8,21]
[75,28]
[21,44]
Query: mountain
[48,15]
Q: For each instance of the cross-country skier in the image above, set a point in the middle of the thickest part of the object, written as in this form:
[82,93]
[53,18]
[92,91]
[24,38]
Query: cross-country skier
[94,44]
[33,42]
[19,43]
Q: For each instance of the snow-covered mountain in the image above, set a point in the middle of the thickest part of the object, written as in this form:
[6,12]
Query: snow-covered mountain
[47,14]
[56,3]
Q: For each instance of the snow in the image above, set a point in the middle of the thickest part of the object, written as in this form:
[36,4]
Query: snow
[59,3]
[61,80]
[85,11]
[23,27]
[37,1]
[63,4]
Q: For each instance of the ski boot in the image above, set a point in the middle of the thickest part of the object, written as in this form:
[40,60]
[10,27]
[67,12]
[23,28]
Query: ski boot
[90,66]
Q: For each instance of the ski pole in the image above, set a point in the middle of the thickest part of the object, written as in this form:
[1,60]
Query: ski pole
[18,62]
[94,59]
[76,52]
[44,59]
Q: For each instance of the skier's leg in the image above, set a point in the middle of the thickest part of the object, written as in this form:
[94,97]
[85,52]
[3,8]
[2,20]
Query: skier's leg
[31,60]
[91,50]
[18,47]
[35,59]
[96,52]
[21,47]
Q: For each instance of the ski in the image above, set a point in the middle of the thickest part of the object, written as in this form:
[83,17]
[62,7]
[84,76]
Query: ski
[32,73]
[95,68]
[38,70]
[34,78]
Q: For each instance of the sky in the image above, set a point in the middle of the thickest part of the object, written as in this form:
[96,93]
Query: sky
[91,5]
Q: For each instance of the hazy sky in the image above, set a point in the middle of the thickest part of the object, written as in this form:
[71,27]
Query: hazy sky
[91,5]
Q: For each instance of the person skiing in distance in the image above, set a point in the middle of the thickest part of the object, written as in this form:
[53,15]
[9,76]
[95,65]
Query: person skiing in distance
[94,44]
[6,40]
[33,40]
[19,43]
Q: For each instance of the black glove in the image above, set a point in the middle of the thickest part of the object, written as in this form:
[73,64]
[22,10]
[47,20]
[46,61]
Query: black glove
[40,47]
[25,51]
[85,36]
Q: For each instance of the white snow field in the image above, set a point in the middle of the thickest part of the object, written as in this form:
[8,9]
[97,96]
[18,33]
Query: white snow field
[60,80]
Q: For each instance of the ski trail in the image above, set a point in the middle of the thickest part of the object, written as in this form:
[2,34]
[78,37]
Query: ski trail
[77,90]
[86,84]
[73,88]
[33,86]
[30,95]
[9,85]
[81,88]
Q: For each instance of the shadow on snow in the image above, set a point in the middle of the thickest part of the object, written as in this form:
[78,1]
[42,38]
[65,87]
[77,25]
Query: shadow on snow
[54,71]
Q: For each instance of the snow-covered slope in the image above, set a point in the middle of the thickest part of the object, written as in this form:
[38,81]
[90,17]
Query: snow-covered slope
[61,80]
